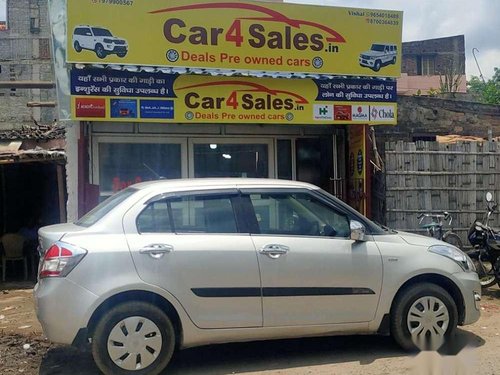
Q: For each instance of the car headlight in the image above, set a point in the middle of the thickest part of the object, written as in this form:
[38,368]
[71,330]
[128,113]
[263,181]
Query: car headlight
[454,254]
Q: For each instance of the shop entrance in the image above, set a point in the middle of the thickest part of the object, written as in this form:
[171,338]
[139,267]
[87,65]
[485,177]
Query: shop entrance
[253,158]
[119,161]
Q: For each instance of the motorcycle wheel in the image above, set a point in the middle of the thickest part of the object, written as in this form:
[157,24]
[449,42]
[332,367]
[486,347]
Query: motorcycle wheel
[485,272]
[453,239]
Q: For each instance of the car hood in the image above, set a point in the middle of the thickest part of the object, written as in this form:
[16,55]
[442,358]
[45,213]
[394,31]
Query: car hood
[419,240]
[373,53]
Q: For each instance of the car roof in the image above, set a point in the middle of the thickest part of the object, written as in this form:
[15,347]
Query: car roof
[220,183]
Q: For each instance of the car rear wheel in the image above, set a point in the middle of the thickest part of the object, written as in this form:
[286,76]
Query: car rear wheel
[78,47]
[423,317]
[133,338]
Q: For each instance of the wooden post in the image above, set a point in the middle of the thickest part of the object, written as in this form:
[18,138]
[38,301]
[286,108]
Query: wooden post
[4,200]
[60,189]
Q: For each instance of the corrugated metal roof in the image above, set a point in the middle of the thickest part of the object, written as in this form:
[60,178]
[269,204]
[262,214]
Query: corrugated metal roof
[36,132]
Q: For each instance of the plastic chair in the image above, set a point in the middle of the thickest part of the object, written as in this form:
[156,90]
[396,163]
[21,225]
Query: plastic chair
[13,246]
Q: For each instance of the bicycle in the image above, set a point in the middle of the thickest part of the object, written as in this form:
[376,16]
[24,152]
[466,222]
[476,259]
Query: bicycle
[435,228]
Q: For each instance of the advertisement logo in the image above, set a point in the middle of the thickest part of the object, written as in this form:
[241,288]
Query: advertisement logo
[157,109]
[244,95]
[360,113]
[323,112]
[342,112]
[90,107]
[123,108]
[382,113]
[261,27]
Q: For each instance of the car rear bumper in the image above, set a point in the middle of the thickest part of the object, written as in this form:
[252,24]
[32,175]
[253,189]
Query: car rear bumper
[60,307]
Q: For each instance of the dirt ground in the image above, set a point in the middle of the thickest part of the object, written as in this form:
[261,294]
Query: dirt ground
[24,350]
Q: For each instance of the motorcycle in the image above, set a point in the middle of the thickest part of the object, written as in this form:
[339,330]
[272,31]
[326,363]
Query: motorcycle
[486,243]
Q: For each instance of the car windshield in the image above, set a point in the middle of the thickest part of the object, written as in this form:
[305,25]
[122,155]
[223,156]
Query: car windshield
[377,47]
[101,32]
[104,208]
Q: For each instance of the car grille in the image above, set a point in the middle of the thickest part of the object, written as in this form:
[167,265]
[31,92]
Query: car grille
[365,57]
[120,42]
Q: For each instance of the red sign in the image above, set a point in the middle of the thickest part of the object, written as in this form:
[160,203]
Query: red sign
[86,107]
[342,112]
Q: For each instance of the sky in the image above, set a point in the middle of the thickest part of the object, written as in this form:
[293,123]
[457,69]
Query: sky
[478,20]
[427,19]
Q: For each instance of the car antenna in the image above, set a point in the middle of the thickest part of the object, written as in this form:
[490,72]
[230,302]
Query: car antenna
[153,172]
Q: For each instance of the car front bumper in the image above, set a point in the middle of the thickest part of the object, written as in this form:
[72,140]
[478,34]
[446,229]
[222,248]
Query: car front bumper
[469,285]
[112,48]
[61,321]
[364,62]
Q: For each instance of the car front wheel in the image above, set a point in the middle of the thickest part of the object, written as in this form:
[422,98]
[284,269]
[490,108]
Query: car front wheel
[100,52]
[423,317]
[133,338]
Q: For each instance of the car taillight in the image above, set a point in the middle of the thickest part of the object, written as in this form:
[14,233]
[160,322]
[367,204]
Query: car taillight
[60,259]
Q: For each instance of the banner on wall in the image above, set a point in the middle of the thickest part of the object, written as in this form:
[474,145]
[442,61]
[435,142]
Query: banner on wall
[241,35]
[357,168]
[110,95]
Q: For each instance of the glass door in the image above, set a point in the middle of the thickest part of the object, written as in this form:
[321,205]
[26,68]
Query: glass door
[123,161]
[229,157]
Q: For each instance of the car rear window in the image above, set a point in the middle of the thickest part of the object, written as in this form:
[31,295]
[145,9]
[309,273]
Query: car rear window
[105,207]
[189,214]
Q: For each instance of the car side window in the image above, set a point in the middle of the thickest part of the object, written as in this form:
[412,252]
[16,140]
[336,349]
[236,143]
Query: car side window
[155,218]
[203,214]
[297,214]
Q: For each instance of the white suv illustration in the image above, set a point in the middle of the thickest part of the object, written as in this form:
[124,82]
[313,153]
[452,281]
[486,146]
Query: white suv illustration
[380,54]
[99,40]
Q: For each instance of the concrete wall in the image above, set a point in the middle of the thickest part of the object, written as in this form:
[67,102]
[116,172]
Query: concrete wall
[412,85]
[25,56]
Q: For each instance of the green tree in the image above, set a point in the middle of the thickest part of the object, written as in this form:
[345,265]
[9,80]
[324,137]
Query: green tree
[487,92]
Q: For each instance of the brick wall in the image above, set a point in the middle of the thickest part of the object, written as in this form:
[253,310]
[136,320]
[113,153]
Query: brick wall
[25,56]
[424,116]
[441,51]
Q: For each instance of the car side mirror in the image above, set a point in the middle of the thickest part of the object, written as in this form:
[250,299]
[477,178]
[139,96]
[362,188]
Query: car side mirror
[489,197]
[357,231]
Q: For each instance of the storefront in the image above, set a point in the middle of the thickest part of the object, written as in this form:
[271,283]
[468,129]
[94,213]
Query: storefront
[226,89]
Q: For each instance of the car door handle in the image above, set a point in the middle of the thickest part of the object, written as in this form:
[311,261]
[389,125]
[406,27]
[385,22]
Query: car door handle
[156,250]
[274,251]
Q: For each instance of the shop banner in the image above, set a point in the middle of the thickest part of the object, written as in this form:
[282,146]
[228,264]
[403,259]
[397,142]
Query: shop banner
[356,180]
[241,35]
[110,95]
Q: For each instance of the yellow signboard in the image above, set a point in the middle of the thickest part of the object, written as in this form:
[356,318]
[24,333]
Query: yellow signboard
[357,168]
[109,95]
[241,35]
